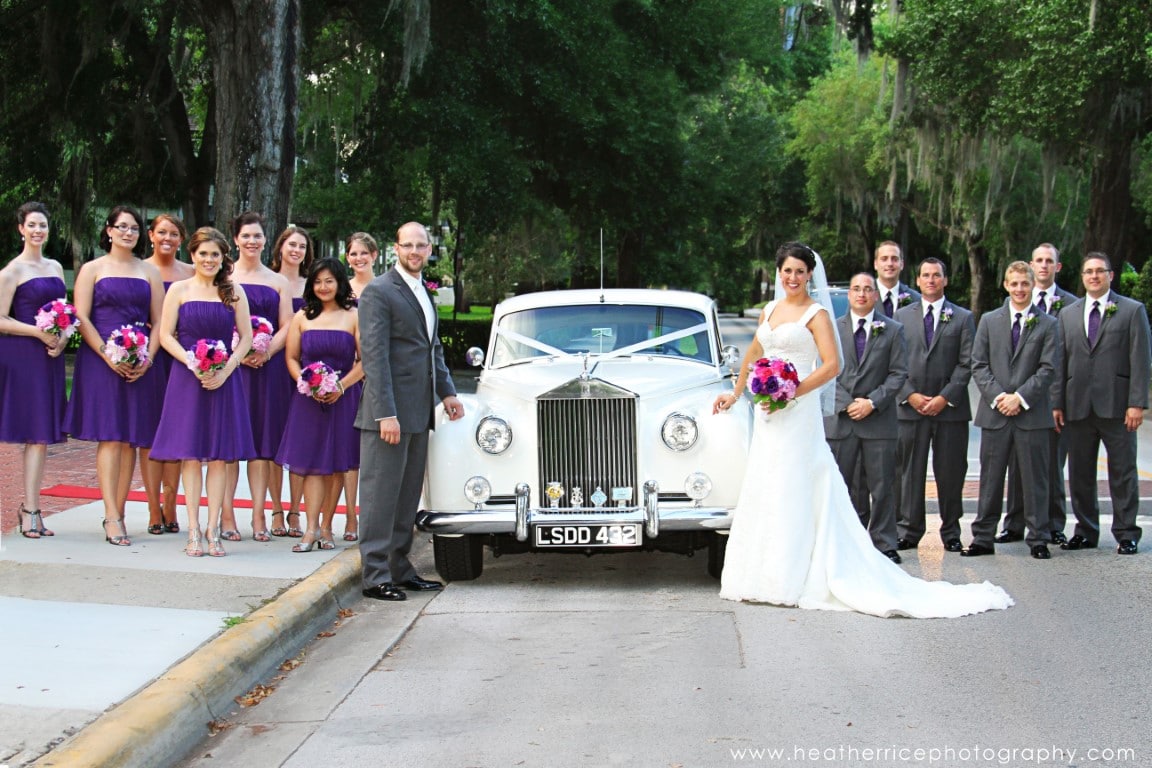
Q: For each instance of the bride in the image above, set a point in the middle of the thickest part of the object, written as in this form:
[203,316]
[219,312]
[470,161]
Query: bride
[799,542]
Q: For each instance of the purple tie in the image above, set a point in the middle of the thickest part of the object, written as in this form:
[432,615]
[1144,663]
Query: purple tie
[888,304]
[929,327]
[861,337]
[1093,323]
[1016,332]
[1042,304]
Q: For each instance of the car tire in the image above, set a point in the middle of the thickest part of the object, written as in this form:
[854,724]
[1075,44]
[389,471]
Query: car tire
[717,546]
[458,558]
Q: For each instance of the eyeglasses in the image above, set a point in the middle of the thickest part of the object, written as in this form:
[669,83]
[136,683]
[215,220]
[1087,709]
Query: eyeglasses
[1095,272]
[864,289]
[126,229]
[413,246]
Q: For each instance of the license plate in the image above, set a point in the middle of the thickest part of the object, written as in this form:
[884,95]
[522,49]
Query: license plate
[594,535]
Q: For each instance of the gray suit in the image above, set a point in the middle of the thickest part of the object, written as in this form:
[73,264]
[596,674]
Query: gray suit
[404,376]
[943,368]
[1028,371]
[913,297]
[1057,455]
[870,443]
[1099,383]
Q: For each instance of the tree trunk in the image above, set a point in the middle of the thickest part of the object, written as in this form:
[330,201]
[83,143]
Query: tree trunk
[628,259]
[255,47]
[980,275]
[1112,222]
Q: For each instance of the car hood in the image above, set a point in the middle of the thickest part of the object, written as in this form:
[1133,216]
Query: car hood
[645,376]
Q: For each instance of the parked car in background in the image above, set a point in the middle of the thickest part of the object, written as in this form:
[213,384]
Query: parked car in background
[591,430]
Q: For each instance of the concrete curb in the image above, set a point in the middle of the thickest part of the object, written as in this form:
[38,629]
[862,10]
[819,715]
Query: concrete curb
[162,722]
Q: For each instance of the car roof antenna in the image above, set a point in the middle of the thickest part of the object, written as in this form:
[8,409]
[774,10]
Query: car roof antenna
[601,265]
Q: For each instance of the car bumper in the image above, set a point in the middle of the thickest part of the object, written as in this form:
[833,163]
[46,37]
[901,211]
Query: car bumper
[655,517]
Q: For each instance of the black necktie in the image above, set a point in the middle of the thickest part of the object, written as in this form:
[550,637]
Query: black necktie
[888,304]
[1093,323]
[861,337]
[1016,332]
[1042,304]
[929,327]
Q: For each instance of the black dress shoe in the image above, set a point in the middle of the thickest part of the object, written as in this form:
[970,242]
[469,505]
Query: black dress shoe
[893,555]
[387,591]
[1058,537]
[417,584]
[1078,542]
[1007,537]
[903,544]
[1127,547]
[953,545]
[1040,552]
[976,550]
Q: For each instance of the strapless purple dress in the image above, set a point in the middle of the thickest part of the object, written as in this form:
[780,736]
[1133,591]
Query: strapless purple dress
[208,425]
[105,406]
[320,438]
[267,389]
[31,383]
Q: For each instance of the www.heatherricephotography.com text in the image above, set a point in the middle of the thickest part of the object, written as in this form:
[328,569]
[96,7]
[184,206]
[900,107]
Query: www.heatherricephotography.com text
[976,755]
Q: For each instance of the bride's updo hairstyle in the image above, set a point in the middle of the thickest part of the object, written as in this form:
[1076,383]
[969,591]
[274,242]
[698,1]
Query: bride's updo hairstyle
[796,251]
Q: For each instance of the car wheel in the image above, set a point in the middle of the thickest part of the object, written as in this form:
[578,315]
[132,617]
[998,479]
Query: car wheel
[458,558]
[716,549]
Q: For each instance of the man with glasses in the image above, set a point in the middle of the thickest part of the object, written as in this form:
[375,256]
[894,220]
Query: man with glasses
[862,431]
[1047,298]
[1101,398]
[404,375]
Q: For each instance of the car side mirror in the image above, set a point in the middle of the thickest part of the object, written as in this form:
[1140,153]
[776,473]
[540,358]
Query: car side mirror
[730,356]
[474,357]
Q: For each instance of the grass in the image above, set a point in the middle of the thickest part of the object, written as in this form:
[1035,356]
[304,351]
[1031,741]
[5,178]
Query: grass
[232,621]
[476,313]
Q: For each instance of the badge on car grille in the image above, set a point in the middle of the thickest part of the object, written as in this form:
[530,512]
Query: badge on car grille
[599,497]
[554,492]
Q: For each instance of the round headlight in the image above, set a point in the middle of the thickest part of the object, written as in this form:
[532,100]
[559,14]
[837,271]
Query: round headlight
[493,435]
[697,485]
[679,432]
[477,490]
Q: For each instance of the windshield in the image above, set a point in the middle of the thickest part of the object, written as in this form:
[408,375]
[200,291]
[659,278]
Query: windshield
[601,329]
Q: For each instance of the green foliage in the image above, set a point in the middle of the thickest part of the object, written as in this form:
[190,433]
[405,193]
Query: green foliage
[458,336]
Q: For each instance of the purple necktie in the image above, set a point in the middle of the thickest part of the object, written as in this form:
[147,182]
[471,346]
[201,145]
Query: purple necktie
[1042,304]
[1016,332]
[888,304]
[929,327]
[1093,323]
[861,337]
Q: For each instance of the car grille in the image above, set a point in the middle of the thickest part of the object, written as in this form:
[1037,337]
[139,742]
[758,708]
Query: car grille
[587,442]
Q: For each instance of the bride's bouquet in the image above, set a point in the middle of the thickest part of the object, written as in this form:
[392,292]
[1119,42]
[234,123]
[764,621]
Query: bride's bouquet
[773,381]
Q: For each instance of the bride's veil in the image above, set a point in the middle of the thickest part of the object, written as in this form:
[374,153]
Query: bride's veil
[818,290]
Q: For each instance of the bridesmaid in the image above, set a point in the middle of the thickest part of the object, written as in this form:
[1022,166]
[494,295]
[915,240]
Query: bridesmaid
[205,418]
[292,257]
[31,363]
[319,442]
[362,252]
[116,405]
[162,478]
[263,374]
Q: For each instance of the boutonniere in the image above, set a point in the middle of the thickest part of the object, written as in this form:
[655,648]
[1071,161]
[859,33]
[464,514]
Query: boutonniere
[1030,321]
[431,287]
[1110,309]
[946,315]
[903,299]
[878,327]
[1057,305]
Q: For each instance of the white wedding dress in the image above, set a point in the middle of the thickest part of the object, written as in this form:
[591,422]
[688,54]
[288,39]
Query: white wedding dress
[796,539]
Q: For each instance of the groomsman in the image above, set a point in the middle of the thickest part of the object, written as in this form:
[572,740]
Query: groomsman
[862,432]
[1014,359]
[1101,398]
[933,407]
[892,294]
[1048,298]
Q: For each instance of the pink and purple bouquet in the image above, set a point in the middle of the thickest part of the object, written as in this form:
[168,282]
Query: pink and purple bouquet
[206,357]
[318,379]
[262,333]
[773,381]
[58,318]
[127,344]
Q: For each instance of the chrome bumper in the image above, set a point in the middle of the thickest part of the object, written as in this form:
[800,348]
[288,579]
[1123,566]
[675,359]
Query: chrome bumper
[517,521]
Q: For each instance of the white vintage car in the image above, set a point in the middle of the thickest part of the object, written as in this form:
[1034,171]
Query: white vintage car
[591,430]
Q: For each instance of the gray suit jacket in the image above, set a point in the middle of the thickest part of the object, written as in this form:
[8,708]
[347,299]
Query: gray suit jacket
[1028,371]
[878,376]
[945,368]
[1058,294]
[404,370]
[913,297]
[1107,379]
